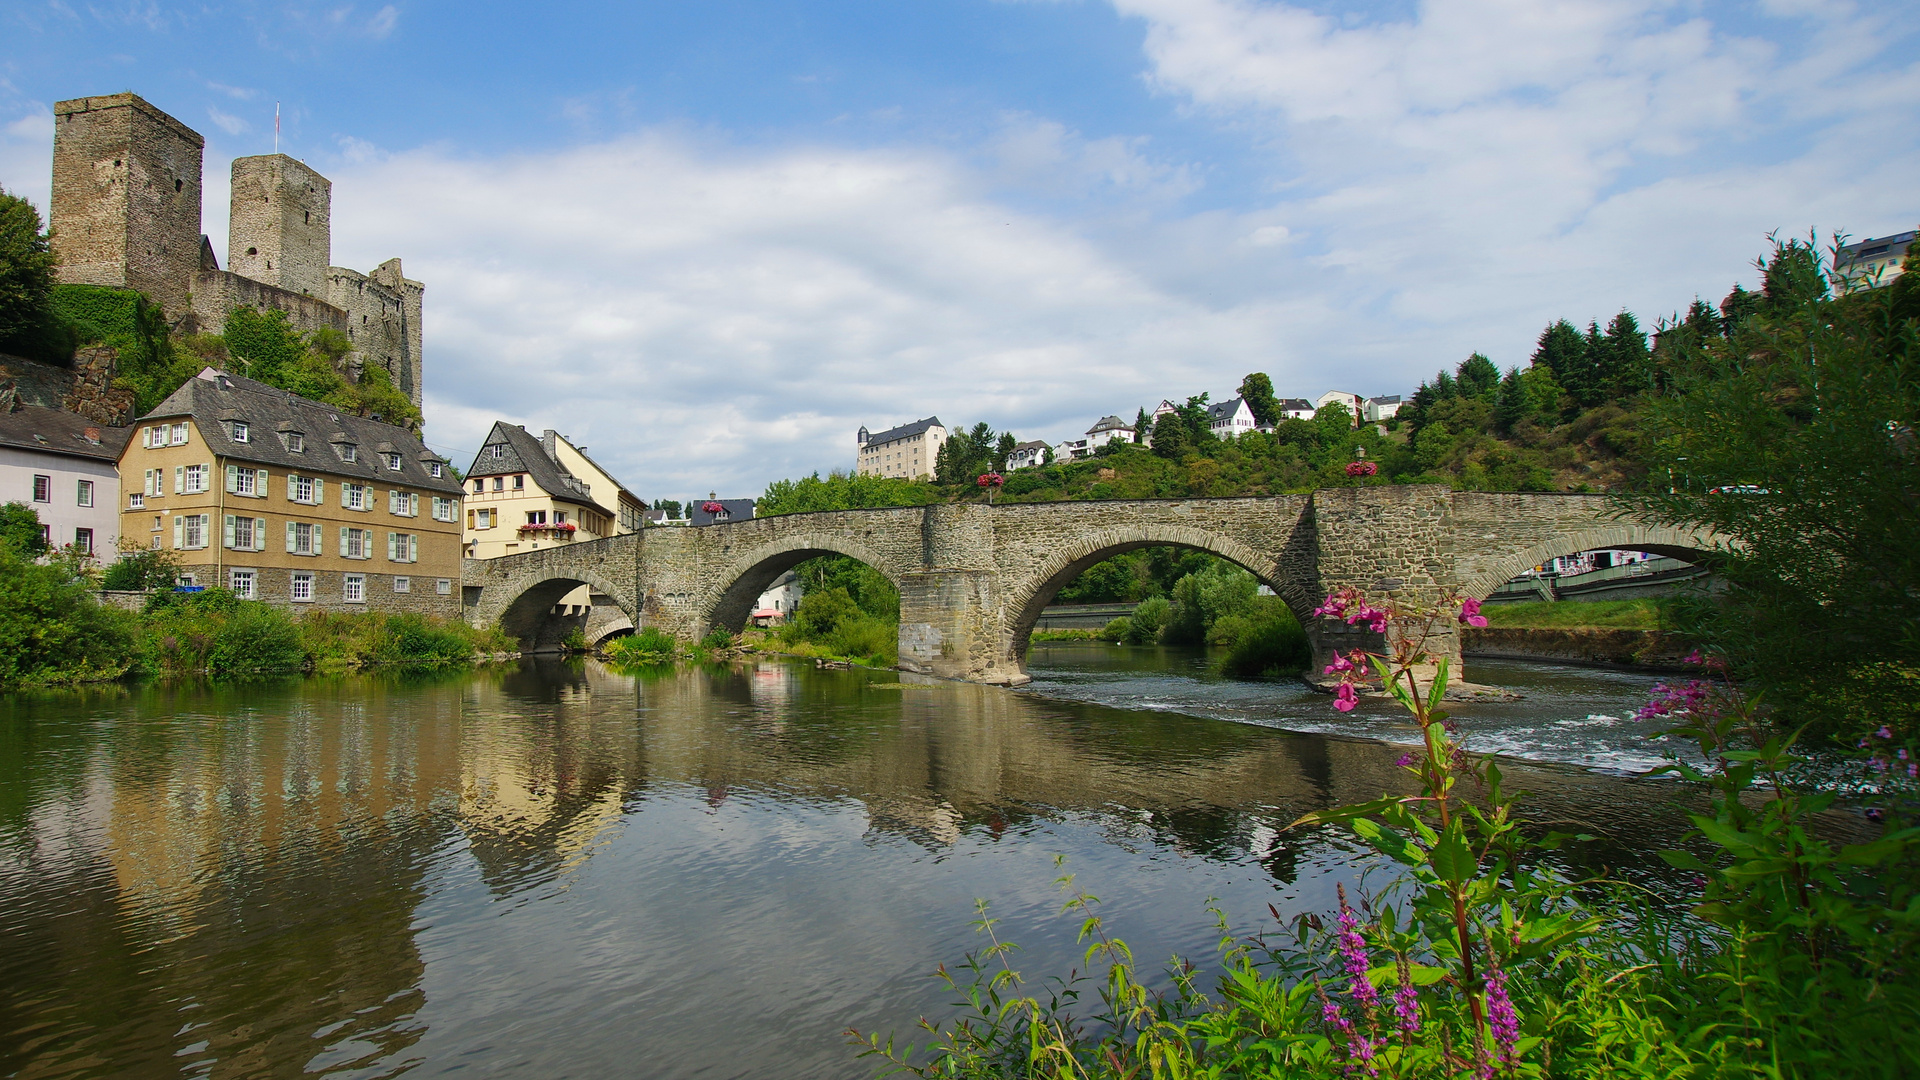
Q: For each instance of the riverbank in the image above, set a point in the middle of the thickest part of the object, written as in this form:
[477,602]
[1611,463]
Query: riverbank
[1631,650]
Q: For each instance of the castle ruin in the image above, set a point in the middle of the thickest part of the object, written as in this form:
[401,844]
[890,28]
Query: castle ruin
[126,214]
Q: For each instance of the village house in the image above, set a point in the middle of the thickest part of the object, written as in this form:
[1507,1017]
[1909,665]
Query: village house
[523,494]
[1381,409]
[908,452]
[292,501]
[61,465]
[1230,419]
[1026,455]
[1296,408]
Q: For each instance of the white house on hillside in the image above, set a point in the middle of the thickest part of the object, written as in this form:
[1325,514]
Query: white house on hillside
[1027,455]
[1296,408]
[1109,429]
[1381,409]
[1230,419]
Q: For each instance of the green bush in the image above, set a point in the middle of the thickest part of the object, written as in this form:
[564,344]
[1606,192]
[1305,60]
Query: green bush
[139,570]
[717,638]
[52,630]
[253,638]
[650,646]
[1274,644]
[1148,619]
[1118,630]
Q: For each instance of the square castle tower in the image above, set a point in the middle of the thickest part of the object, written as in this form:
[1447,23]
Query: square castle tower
[126,214]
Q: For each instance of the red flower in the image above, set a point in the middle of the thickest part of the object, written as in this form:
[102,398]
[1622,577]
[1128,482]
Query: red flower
[1362,468]
[992,479]
[713,508]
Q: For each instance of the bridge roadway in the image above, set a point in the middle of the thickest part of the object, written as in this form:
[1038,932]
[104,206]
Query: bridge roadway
[973,579]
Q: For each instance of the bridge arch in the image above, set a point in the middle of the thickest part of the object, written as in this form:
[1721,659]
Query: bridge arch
[1026,599]
[1683,544]
[748,575]
[523,605]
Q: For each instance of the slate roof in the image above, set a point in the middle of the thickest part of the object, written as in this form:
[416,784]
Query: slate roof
[524,453]
[213,399]
[1385,399]
[904,430]
[1037,444]
[1289,404]
[1872,247]
[1109,423]
[737,509]
[57,431]
[1223,410]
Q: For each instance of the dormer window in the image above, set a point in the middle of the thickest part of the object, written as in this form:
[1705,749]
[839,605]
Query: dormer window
[393,462]
[296,442]
[349,452]
[434,470]
[240,433]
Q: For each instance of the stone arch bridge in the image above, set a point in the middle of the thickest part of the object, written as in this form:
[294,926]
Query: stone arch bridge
[973,579]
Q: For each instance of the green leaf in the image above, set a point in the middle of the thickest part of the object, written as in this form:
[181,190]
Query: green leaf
[1452,857]
[1392,684]
[1439,688]
[1388,842]
[1683,860]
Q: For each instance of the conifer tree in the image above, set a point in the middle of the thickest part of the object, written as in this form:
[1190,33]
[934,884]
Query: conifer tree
[1171,439]
[1142,427]
[1627,363]
[1477,377]
[1513,405]
[1561,351]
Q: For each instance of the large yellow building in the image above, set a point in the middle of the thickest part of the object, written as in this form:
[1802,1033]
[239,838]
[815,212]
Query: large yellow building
[292,501]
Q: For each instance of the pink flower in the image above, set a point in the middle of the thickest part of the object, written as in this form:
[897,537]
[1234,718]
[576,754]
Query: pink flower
[1405,762]
[1913,769]
[1885,732]
[1344,698]
[1470,613]
[1334,606]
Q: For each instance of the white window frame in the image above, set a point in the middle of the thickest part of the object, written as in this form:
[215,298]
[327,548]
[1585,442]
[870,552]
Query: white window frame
[403,584]
[435,469]
[236,575]
[393,462]
[303,538]
[356,496]
[403,547]
[241,433]
[443,586]
[300,577]
[349,452]
[353,588]
[179,435]
[83,493]
[136,500]
[296,443]
[354,543]
[185,528]
[443,509]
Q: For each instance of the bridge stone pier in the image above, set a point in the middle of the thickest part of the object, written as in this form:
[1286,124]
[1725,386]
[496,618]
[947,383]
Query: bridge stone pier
[973,579]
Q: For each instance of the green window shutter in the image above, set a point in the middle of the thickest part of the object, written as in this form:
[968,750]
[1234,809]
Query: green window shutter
[413,548]
[228,523]
[319,491]
[345,489]
[179,479]
[392,539]
[291,490]
[290,532]
[179,531]
[319,540]
[344,549]
[260,488]
[233,479]
[259,534]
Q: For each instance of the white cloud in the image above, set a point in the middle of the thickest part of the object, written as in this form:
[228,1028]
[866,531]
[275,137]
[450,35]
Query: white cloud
[383,22]
[228,122]
[1481,166]
[711,320]
[26,147]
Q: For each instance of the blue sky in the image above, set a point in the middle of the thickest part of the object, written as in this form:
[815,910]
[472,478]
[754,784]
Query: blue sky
[712,240]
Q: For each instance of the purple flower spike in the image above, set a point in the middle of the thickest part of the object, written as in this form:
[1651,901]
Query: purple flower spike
[1501,1016]
[1406,1001]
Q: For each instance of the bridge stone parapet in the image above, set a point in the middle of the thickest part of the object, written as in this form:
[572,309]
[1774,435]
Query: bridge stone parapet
[973,579]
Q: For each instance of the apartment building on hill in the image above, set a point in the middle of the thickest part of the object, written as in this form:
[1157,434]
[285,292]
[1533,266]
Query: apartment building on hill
[291,501]
[910,451]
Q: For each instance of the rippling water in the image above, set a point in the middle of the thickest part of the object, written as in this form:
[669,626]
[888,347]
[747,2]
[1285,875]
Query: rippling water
[565,871]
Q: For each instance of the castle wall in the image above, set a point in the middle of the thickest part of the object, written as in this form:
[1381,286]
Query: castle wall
[280,232]
[383,319]
[216,292]
[126,197]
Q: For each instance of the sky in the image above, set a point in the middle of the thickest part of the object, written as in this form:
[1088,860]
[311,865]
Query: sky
[710,241]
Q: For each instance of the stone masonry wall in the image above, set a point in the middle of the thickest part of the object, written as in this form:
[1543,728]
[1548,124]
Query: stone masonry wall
[280,231]
[126,197]
[973,578]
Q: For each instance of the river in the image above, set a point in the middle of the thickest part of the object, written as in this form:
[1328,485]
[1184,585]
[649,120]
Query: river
[558,870]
